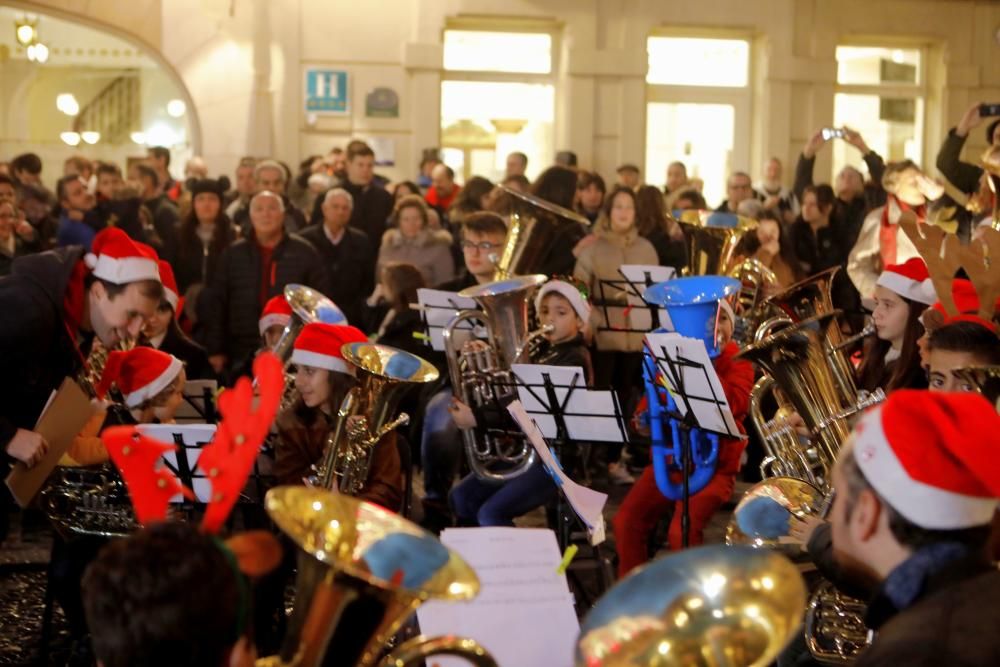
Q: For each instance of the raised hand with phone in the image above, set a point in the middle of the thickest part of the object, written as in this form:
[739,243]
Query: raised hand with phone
[966,175]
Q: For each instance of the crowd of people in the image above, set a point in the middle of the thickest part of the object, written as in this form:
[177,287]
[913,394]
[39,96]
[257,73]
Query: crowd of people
[195,272]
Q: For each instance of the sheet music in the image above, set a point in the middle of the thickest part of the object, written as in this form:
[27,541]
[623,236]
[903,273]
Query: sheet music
[523,614]
[691,369]
[635,279]
[438,308]
[193,437]
[589,415]
[587,503]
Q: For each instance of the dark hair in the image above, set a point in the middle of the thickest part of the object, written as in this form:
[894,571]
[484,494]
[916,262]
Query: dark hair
[409,201]
[628,166]
[521,156]
[469,196]
[584,179]
[145,171]
[522,181]
[651,212]
[413,187]
[970,337]
[695,197]
[485,222]
[906,371]
[402,280]
[448,170]
[305,170]
[609,201]
[62,183]
[907,533]
[222,232]
[108,168]
[151,289]
[339,384]
[557,185]
[990,131]
[165,595]
[824,194]
[160,153]
[4,178]
[359,149]
[80,163]
[750,243]
[29,162]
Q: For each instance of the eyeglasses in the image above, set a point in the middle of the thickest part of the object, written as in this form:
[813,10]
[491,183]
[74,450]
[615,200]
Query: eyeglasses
[485,246]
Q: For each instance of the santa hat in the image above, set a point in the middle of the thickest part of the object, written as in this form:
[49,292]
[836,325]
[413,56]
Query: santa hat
[320,345]
[910,280]
[932,457]
[170,292]
[118,259]
[277,312]
[568,291]
[140,374]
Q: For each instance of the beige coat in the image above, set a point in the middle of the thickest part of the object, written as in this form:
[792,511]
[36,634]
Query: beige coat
[429,251]
[600,262]
[864,264]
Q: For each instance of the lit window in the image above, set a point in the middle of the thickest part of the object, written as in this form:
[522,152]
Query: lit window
[691,61]
[863,65]
[480,51]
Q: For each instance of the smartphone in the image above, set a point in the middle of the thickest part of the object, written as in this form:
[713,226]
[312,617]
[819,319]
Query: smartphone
[833,133]
[989,110]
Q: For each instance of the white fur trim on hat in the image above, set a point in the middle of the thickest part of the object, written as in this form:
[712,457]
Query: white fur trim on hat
[162,381]
[570,293]
[268,321]
[317,360]
[126,269]
[922,504]
[914,290]
[172,297]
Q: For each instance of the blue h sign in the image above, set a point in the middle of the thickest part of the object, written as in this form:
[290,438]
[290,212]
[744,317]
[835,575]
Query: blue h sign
[326,91]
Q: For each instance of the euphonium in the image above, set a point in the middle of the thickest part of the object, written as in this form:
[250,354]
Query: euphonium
[693,305]
[481,377]
[362,571]
[711,239]
[755,280]
[718,606]
[384,375]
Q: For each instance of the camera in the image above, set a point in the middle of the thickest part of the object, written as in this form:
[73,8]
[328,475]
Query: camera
[833,133]
[989,110]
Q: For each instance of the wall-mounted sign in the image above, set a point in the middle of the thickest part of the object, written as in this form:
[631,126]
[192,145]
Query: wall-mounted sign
[327,91]
[382,103]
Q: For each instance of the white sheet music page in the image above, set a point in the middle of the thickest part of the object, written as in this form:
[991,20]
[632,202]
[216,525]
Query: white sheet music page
[587,503]
[637,274]
[194,437]
[439,308]
[523,614]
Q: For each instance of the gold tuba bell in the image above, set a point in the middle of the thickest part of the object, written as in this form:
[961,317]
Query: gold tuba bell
[711,240]
[362,571]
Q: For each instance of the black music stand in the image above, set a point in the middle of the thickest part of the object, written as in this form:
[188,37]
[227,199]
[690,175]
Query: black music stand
[198,406]
[438,308]
[635,279]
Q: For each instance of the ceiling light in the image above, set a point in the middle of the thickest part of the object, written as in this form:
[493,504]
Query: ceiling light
[26,31]
[91,137]
[38,52]
[67,103]
[70,138]
[176,108]
[138,138]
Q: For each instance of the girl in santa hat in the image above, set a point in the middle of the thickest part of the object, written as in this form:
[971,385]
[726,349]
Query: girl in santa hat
[162,331]
[323,377]
[892,357]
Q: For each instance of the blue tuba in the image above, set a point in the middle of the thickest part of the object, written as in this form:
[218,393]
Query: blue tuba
[693,306]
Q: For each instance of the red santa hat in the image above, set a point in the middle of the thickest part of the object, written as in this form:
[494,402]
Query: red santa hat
[118,259]
[320,345]
[963,293]
[277,312]
[570,292]
[910,280]
[932,457]
[170,292]
[140,374]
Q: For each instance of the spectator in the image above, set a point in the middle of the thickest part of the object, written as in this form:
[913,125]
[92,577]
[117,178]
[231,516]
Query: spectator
[677,182]
[346,253]
[166,216]
[162,332]
[372,203]
[399,282]
[590,192]
[663,232]
[519,183]
[769,246]
[411,240]
[298,189]
[25,232]
[815,237]
[11,245]
[475,196]
[566,159]
[80,166]
[270,176]
[246,186]
[629,176]
[75,202]
[517,164]
[557,185]
[404,188]
[775,195]
[738,188]
[36,203]
[159,160]
[250,272]
[443,191]
[964,176]
[429,160]
[195,168]
[687,200]
[26,169]
[109,179]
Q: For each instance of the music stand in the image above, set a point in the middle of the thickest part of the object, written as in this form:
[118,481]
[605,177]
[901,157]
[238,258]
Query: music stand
[198,406]
[635,279]
[695,401]
[438,308]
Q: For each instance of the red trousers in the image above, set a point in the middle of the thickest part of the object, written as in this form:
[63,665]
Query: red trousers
[645,505]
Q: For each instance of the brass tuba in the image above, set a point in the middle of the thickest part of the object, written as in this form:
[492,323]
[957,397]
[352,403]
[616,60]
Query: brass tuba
[362,571]
[482,377]
[711,240]
[755,280]
[384,375]
[714,605]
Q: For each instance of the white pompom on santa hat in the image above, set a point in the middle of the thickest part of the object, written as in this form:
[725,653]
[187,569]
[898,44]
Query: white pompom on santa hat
[321,346]
[910,280]
[118,259]
[140,374]
[277,312]
[933,457]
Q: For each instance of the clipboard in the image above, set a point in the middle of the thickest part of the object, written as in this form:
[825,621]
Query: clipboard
[62,420]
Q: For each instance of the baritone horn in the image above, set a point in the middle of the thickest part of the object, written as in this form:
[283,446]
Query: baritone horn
[362,571]
[711,239]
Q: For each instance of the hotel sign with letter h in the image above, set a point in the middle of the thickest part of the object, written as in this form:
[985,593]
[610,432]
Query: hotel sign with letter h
[327,91]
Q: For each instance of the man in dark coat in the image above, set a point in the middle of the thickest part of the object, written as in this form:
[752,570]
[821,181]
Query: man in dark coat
[917,486]
[347,255]
[372,204]
[250,272]
[270,176]
[57,305]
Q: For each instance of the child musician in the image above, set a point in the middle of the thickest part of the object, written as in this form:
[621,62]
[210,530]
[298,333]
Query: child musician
[563,305]
[276,316]
[892,359]
[323,378]
[644,504]
[161,331]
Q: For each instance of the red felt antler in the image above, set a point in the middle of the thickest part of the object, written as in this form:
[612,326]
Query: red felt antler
[228,459]
[149,486]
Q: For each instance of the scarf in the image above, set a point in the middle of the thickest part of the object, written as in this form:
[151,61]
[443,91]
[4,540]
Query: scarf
[889,228]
